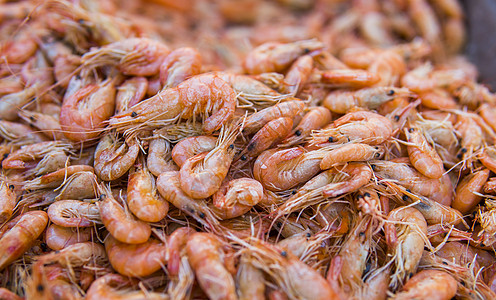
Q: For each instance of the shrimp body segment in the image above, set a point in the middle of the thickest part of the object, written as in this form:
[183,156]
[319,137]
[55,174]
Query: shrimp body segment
[192,146]
[315,118]
[428,284]
[422,155]
[349,153]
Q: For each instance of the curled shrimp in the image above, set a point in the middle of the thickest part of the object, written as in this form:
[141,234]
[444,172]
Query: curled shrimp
[315,118]
[7,201]
[428,284]
[135,260]
[437,99]
[466,196]
[200,95]
[58,237]
[112,160]
[176,243]
[132,56]
[83,113]
[288,109]
[202,175]
[422,155]
[179,65]
[159,159]
[130,92]
[250,281]
[350,152]
[56,178]
[236,197]
[342,102]
[73,213]
[276,57]
[121,224]
[142,197]
[192,146]
[298,74]
[110,286]
[488,158]
[26,229]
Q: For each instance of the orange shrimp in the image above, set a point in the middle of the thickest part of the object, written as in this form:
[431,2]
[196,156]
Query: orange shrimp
[58,237]
[10,104]
[288,109]
[20,134]
[19,49]
[24,231]
[175,245]
[47,124]
[437,99]
[428,284]
[142,197]
[112,160]
[73,213]
[38,158]
[57,178]
[159,159]
[179,65]
[342,102]
[488,158]
[389,66]
[250,281]
[83,113]
[350,152]
[276,57]
[121,224]
[132,56]
[5,293]
[466,198]
[422,155]
[344,78]
[200,95]
[236,197]
[192,146]
[130,92]
[298,74]
[7,201]
[135,260]
[472,138]
[316,118]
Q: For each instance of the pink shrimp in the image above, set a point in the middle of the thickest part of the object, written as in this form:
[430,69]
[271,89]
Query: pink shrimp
[192,146]
[315,118]
[179,65]
[130,92]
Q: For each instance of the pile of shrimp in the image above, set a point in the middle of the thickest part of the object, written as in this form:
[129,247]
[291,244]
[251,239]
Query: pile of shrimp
[248,149]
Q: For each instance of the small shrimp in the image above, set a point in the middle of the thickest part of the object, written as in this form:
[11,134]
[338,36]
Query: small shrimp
[136,260]
[73,213]
[406,233]
[316,118]
[10,104]
[58,237]
[350,152]
[288,109]
[80,185]
[142,197]
[20,134]
[36,157]
[26,229]
[298,74]
[82,114]
[250,281]
[488,158]
[179,65]
[437,99]
[112,160]
[159,159]
[424,78]
[8,200]
[202,175]
[192,146]
[110,287]
[47,124]
[175,245]
[344,78]
[121,224]
[359,126]
[342,102]
[200,95]
[389,66]
[472,138]
[236,197]
[422,155]
[466,196]
[76,255]
[428,284]
[130,92]
[5,293]
[55,179]
[132,56]
[208,260]
[19,49]
[276,57]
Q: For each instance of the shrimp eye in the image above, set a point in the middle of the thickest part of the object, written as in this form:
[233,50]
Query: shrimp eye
[459,156]
[201,215]
[293,192]
[232,146]
[284,253]
[309,234]
[297,132]
[330,139]
[390,92]
[5,155]
[396,118]
[410,275]
[408,190]
[134,114]
[411,129]
[306,50]
[80,21]
[44,247]
[377,148]
[377,155]
[359,197]
[445,263]
[11,186]
[40,288]
[102,196]
[279,224]
[361,234]
[366,195]
[373,167]
[405,198]
[464,150]
[243,157]
[31,118]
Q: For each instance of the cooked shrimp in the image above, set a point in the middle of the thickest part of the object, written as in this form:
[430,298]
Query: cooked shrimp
[58,237]
[344,78]
[8,199]
[316,118]
[20,134]
[350,152]
[198,96]
[129,93]
[61,176]
[135,260]
[5,293]
[466,197]
[26,229]
[159,159]
[83,113]
[179,65]
[288,109]
[250,281]
[298,74]
[276,57]
[10,104]
[110,287]
[132,56]
[202,175]
[472,138]
[47,124]
[192,146]
[208,260]
[121,224]
[112,160]
[73,213]
[236,197]
[428,284]
[422,155]
[142,197]
[437,99]
[488,158]
[176,243]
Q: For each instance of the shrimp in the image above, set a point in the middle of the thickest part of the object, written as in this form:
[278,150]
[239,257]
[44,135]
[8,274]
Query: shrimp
[112,160]
[236,197]
[359,126]
[488,158]
[82,114]
[38,158]
[344,78]
[61,176]
[80,185]
[142,197]
[179,65]
[47,124]
[175,245]
[20,134]
[342,102]
[202,175]
[298,74]
[208,260]
[406,233]
[424,78]
[121,224]
[437,99]
[73,213]
[159,159]
[130,92]
[58,237]
[471,138]
[26,229]
[250,281]
[200,95]
[350,152]
[109,287]
[422,155]
[389,66]
[276,57]
[466,196]
[19,49]
[132,56]
[192,146]
[316,118]
[5,293]
[428,284]
[135,260]
[288,109]
[10,104]
[8,200]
